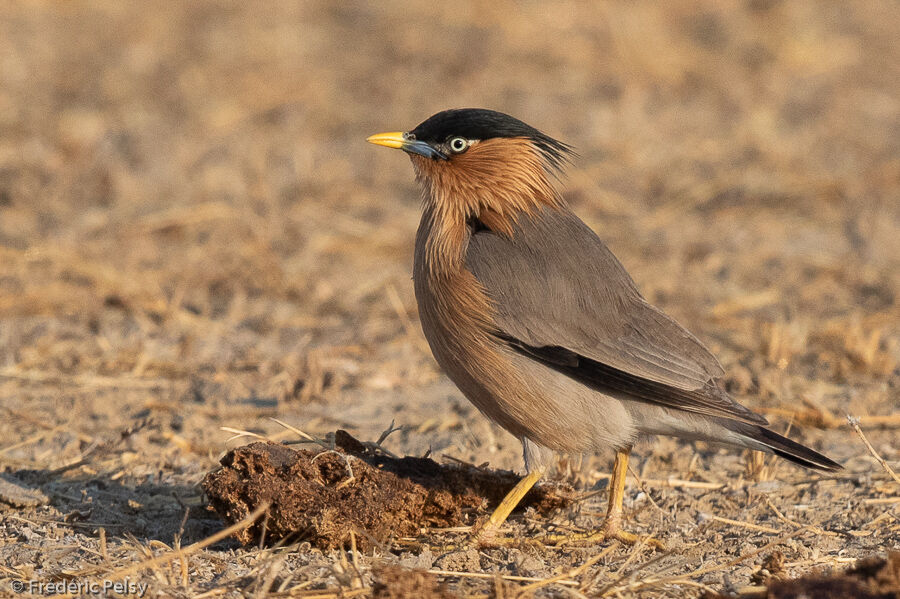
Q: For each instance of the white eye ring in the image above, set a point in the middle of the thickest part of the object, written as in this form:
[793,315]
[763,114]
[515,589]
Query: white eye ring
[458,144]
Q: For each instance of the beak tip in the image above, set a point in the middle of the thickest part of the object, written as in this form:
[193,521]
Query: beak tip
[394,139]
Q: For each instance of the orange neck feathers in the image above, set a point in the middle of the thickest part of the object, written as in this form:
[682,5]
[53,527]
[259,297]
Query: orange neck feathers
[496,181]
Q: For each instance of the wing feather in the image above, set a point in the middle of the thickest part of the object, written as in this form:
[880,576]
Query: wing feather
[562,298]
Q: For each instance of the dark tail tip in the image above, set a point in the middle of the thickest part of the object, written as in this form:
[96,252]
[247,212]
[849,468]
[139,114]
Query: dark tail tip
[786,448]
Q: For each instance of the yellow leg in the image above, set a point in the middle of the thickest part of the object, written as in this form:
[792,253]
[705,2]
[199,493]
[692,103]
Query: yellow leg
[610,527]
[617,491]
[509,503]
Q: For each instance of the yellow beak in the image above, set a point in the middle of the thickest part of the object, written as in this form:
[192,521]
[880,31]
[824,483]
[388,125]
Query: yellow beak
[391,140]
[401,141]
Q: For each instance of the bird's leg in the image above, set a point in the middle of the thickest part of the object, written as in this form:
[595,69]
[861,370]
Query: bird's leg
[488,532]
[610,527]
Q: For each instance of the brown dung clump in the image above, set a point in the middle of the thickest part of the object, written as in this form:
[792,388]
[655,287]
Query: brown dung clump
[322,496]
[870,578]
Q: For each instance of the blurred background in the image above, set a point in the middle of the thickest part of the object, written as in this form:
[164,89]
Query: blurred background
[193,230]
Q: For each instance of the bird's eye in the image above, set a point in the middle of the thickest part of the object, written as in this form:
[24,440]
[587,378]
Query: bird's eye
[458,145]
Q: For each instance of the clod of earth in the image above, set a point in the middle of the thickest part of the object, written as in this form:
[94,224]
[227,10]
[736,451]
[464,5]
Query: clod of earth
[322,496]
[870,578]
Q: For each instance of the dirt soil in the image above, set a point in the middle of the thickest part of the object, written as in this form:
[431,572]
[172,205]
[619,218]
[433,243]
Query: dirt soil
[392,582]
[325,496]
[872,578]
[195,241]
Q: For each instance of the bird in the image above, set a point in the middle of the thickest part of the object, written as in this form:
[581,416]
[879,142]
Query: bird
[538,323]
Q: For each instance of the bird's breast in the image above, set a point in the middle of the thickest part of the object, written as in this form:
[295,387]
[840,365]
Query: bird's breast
[457,318]
[455,312]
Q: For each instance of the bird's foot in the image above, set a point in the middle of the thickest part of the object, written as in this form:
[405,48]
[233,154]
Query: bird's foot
[488,535]
[494,541]
[609,531]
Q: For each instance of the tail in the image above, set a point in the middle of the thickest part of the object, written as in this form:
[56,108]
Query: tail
[762,438]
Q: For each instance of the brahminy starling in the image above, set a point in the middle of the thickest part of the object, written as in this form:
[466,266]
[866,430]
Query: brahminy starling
[538,323]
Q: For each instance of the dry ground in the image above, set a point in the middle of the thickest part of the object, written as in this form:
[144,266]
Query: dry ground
[194,235]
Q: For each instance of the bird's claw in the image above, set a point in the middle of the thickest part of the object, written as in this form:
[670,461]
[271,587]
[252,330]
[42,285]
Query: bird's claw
[488,537]
[607,532]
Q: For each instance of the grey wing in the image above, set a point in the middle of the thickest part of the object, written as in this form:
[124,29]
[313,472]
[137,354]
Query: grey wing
[562,298]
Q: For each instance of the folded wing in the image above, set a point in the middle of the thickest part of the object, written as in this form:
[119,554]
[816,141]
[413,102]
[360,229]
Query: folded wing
[562,298]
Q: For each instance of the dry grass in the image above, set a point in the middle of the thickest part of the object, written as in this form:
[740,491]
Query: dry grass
[194,236]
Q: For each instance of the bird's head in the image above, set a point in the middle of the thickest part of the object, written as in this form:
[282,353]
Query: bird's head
[482,163]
